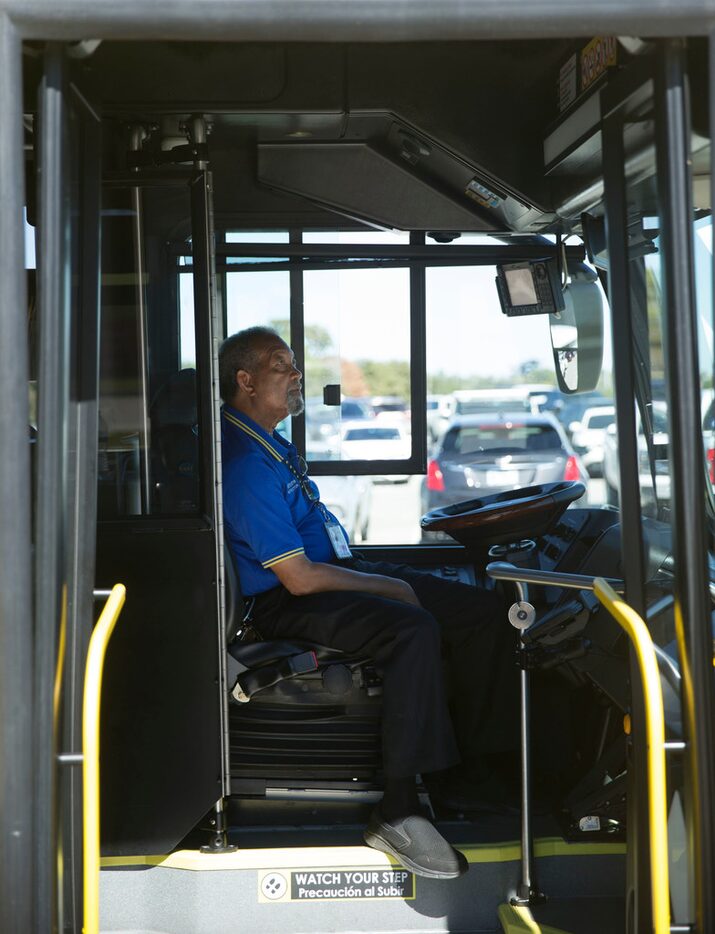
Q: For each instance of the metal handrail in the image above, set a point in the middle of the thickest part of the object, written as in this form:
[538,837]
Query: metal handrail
[637,632]
[90,747]
[504,571]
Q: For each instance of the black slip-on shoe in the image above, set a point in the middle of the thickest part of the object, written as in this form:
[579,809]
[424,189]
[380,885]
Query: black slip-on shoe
[417,845]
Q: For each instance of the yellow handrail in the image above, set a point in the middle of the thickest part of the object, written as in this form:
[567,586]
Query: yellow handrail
[638,633]
[90,752]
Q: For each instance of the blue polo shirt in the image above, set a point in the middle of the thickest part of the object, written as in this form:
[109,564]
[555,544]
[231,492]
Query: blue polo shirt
[268,517]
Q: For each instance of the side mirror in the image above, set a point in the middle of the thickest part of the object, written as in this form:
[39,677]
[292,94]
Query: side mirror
[574,427]
[577,332]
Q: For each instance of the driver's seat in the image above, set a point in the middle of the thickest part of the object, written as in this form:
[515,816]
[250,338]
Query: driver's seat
[299,711]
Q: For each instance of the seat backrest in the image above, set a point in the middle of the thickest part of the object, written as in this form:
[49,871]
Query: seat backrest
[235,602]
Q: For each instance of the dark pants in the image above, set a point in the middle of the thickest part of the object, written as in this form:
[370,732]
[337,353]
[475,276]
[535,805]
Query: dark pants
[406,643]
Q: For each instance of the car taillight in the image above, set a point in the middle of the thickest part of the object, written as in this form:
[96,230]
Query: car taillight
[435,477]
[571,471]
[711,464]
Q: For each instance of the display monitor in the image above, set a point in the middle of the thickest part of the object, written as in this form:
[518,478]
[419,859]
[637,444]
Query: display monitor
[529,288]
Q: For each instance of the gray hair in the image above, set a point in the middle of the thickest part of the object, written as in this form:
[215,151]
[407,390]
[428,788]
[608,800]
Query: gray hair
[240,351]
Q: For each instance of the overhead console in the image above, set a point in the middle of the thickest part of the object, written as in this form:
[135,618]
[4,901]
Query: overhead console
[387,173]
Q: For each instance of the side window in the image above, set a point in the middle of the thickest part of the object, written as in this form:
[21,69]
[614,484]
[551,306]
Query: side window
[357,336]
[148,421]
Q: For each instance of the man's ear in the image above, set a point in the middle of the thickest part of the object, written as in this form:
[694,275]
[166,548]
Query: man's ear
[244,382]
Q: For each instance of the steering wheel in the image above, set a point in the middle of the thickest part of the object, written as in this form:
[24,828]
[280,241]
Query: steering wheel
[505,517]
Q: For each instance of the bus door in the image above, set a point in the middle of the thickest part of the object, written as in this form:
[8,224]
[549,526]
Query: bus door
[163,717]
[62,201]
[652,149]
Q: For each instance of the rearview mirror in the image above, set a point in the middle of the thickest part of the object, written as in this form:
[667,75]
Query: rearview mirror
[577,332]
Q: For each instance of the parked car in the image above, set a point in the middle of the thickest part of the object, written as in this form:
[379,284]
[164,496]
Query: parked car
[350,501]
[587,436]
[323,424]
[478,401]
[356,408]
[660,466]
[435,423]
[391,410]
[484,454]
[571,408]
[375,441]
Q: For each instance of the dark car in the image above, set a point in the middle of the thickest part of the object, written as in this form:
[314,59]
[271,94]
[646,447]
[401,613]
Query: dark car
[484,454]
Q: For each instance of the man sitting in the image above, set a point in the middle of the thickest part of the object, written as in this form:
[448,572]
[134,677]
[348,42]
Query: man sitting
[293,557]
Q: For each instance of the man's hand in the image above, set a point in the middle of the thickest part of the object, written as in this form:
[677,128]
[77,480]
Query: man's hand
[302,576]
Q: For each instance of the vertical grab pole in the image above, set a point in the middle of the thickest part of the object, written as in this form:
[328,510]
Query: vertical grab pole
[527,893]
[16,695]
[136,138]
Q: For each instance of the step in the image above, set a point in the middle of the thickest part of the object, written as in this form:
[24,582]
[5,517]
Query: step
[330,889]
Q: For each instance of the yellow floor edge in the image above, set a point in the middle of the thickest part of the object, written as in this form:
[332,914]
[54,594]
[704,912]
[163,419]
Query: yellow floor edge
[518,919]
[347,856]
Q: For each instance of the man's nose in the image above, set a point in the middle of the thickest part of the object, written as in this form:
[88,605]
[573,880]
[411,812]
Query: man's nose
[296,372]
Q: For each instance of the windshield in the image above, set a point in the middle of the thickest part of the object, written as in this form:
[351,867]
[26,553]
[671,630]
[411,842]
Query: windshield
[600,421]
[509,436]
[475,407]
[372,434]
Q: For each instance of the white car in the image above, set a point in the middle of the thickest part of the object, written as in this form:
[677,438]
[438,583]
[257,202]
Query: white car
[436,424]
[587,436]
[350,501]
[374,441]
[651,498]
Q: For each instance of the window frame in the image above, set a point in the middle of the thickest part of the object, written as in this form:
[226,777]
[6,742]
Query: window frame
[295,257]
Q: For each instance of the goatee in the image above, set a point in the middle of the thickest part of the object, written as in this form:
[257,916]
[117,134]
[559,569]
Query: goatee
[295,402]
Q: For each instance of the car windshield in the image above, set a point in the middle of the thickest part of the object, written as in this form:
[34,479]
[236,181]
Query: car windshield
[372,434]
[389,407]
[600,421]
[508,437]
[353,410]
[476,407]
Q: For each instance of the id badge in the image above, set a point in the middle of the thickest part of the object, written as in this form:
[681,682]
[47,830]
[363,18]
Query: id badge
[337,539]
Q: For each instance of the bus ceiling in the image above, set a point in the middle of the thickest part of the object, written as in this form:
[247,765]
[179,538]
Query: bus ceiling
[498,136]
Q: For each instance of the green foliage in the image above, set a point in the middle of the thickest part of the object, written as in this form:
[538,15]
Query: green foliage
[442,383]
[386,378]
[390,377]
[317,338]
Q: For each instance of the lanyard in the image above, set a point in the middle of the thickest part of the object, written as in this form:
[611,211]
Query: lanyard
[306,489]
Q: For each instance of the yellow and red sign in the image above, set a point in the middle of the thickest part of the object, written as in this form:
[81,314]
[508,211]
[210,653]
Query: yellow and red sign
[595,58]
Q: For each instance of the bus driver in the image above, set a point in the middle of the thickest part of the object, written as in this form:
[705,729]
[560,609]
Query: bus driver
[293,557]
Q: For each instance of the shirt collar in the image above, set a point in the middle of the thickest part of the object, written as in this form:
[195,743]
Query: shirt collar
[276,445]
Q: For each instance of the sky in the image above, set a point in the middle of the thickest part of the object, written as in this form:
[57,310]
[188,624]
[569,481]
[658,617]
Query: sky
[366,312]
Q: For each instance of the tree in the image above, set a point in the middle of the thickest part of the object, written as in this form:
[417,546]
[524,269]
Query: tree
[318,340]
[387,378]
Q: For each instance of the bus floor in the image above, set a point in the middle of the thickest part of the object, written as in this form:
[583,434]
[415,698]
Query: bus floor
[289,854]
